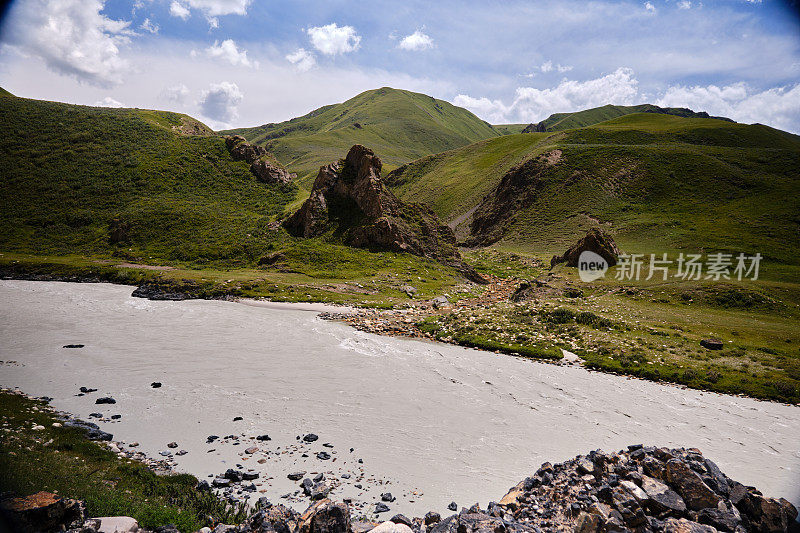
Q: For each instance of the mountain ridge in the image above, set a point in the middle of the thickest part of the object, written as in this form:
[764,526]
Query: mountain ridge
[596,115]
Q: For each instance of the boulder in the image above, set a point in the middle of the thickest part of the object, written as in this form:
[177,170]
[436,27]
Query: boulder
[682,525]
[93,431]
[391,527]
[662,499]
[688,484]
[117,524]
[477,522]
[596,240]
[767,515]
[401,519]
[282,519]
[325,516]
[43,512]
[712,344]
[432,517]
[262,164]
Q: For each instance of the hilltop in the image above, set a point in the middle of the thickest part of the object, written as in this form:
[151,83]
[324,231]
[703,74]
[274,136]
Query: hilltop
[399,125]
[589,117]
[654,180]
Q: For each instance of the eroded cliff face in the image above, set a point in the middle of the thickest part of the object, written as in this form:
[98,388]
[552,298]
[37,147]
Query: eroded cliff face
[262,164]
[349,196]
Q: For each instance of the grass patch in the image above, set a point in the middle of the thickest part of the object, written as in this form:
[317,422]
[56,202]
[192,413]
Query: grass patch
[61,460]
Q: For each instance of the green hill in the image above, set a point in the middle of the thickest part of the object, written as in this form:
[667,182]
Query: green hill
[75,175]
[589,117]
[658,182]
[398,125]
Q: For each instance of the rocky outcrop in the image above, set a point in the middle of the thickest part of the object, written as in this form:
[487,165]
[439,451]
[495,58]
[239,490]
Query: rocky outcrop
[349,198]
[642,489]
[536,127]
[518,188]
[597,241]
[262,164]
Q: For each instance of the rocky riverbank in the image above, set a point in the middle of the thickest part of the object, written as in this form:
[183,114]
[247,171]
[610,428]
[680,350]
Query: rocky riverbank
[641,489]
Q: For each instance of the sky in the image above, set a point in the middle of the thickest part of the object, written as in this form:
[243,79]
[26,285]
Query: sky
[236,63]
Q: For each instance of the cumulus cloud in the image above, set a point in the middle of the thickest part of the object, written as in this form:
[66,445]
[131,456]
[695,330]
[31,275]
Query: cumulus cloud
[175,93]
[220,102]
[108,102]
[416,41]
[684,4]
[72,37]
[228,51]
[531,104]
[492,110]
[778,107]
[332,39]
[650,7]
[149,26]
[176,9]
[302,59]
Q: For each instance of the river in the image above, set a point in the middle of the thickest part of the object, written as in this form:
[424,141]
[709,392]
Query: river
[432,423]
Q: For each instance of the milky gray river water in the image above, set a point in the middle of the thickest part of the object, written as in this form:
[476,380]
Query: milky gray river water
[447,422]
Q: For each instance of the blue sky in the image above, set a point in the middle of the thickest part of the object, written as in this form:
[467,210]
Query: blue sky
[247,62]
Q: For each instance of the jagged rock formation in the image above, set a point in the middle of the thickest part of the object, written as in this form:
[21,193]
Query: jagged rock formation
[349,196]
[263,166]
[535,127]
[597,241]
[517,188]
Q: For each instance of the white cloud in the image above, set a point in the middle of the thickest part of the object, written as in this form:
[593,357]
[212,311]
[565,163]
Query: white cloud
[778,107]
[548,66]
[650,7]
[228,51]
[416,41]
[149,26]
[175,93]
[108,102]
[531,105]
[302,59]
[492,110]
[332,39]
[213,8]
[220,102]
[176,9]
[684,4]
[72,37]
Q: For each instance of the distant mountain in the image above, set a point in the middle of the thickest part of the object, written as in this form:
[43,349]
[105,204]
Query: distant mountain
[658,182]
[589,117]
[398,125]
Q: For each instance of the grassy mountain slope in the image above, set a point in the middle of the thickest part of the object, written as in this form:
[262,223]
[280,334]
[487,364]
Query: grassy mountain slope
[398,125]
[658,182]
[127,195]
[73,174]
[589,117]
